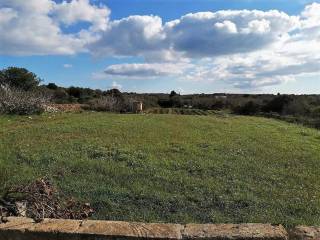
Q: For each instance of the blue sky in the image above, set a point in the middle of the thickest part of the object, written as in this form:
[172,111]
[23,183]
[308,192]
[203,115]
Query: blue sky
[173,9]
[143,55]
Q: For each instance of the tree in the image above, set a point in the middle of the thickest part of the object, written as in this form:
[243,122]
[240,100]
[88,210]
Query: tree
[114,92]
[52,86]
[278,103]
[1,77]
[19,78]
[249,108]
[172,94]
[74,91]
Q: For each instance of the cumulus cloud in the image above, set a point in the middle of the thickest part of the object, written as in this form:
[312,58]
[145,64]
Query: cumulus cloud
[246,49]
[210,34]
[145,70]
[81,10]
[243,48]
[131,36]
[254,70]
[311,16]
[31,28]
[203,34]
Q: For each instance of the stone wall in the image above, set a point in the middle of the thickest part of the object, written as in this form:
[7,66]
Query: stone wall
[57,229]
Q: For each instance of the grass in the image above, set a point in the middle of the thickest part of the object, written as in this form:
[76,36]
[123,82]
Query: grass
[183,111]
[170,168]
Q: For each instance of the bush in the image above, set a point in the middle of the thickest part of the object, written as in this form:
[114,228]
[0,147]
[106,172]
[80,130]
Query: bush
[61,96]
[316,112]
[249,108]
[165,103]
[16,101]
[218,105]
[278,104]
[110,104]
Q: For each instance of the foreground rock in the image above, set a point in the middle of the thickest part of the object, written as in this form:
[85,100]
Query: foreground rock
[24,228]
[305,233]
[234,231]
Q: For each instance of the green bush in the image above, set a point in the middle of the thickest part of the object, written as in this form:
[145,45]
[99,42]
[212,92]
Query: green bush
[315,112]
[249,108]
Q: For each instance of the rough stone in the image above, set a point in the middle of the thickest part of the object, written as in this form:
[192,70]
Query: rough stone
[58,229]
[305,233]
[49,229]
[132,230]
[234,231]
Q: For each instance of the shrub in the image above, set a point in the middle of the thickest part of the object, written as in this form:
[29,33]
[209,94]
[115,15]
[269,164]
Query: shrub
[316,112]
[297,108]
[52,86]
[165,103]
[278,104]
[218,105]
[17,101]
[110,104]
[249,108]
[61,96]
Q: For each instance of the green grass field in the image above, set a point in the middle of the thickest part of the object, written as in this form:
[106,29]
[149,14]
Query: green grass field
[170,168]
[183,111]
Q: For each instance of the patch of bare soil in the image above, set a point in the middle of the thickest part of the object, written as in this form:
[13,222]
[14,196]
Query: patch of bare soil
[39,200]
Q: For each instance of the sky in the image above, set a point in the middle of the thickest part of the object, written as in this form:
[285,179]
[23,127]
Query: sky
[190,46]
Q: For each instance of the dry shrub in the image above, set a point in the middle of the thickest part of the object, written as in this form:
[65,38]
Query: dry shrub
[110,104]
[39,200]
[16,101]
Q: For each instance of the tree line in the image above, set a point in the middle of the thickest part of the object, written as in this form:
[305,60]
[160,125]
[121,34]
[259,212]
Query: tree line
[25,84]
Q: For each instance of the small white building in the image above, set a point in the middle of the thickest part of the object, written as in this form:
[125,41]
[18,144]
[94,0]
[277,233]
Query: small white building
[137,106]
[220,97]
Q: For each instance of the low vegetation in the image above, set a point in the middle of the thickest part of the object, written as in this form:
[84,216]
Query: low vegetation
[17,101]
[303,109]
[184,111]
[169,168]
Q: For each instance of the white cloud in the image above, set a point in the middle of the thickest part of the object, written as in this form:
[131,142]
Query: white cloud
[197,35]
[81,10]
[6,15]
[131,36]
[258,26]
[31,6]
[244,48]
[226,26]
[228,32]
[145,70]
[30,28]
[311,16]
[116,85]
[254,70]
[67,65]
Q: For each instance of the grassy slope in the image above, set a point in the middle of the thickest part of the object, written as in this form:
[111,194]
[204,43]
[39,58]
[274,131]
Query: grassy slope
[171,167]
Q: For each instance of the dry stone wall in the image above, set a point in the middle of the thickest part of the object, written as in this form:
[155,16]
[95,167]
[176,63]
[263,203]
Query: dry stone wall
[305,233]
[14,228]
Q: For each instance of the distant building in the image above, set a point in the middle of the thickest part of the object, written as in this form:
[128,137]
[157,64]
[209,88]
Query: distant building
[220,97]
[137,106]
[187,106]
